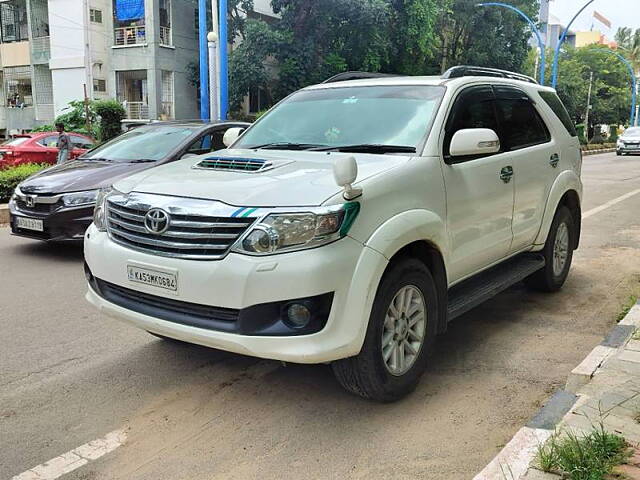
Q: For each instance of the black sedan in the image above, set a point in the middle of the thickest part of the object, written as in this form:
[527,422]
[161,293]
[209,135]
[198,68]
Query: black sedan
[57,203]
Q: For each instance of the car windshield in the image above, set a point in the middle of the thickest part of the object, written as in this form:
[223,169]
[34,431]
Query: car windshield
[348,116]
[16,141]
[149,143]
[632,132]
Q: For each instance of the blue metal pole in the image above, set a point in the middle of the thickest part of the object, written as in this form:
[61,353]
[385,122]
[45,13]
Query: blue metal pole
[633,82]
[534,27]
[204,70]
[224,75]
[554,73]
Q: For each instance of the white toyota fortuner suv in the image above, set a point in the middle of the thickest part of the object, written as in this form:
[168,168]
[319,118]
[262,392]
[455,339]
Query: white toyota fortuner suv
[349,224]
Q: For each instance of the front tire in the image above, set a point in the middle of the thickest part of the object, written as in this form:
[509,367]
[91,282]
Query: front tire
[558,254]
[400,334]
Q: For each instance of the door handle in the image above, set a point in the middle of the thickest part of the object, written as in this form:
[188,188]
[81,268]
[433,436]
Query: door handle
[506,173]
[553,161]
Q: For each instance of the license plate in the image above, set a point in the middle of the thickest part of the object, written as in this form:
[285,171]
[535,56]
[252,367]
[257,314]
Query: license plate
[153,278]
[30,223]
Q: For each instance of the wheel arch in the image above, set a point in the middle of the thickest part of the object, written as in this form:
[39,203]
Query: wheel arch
[566,191]
[419,234]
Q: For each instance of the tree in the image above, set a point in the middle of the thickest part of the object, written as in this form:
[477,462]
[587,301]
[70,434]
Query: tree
[629,43]
[610,93]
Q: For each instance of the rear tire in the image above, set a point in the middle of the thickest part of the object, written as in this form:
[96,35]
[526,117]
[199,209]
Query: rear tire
[558,253]
[400,334]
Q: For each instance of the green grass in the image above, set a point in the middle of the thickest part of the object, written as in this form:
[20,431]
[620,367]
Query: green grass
[587,457]
[626,307]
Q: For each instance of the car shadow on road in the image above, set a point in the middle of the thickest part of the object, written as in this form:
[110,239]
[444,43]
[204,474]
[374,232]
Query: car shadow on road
[56,251]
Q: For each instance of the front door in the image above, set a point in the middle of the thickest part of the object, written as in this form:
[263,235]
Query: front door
[479,190]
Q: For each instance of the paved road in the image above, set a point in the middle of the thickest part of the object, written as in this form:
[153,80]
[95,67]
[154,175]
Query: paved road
[69,376]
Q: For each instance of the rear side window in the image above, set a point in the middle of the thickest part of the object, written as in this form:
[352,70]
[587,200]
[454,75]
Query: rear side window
[80,142]
[521,124]
[551,99]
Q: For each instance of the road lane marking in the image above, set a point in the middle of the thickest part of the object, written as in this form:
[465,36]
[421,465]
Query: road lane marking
[610,203]
[76,458]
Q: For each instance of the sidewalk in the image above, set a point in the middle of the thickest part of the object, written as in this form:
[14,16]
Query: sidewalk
[605,388]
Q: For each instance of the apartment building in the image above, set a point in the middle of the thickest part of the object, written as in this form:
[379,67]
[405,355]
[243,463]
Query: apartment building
[142,52]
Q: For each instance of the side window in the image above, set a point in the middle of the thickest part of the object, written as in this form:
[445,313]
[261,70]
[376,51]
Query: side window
[554,102]
[474,108]
[209,142]
[49,141]
[521,123]
[80,142]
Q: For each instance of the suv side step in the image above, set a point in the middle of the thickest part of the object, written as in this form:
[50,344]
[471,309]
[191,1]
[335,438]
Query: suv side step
[472,292]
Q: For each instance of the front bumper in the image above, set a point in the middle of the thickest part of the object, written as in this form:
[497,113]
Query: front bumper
[66,224]
[635,148]
[346,268]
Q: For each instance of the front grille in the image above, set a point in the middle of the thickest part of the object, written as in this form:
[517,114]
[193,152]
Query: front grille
[192,233]
[186,313]
[38,207]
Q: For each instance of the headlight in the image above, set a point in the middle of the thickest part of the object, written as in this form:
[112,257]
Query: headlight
[15,195]
[80,198]
[99,217]
[286,232]
[620,142]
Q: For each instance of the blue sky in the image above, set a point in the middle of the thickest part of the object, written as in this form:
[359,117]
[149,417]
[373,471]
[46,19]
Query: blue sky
[622,13]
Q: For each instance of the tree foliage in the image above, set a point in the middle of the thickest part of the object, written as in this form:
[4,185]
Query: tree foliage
[312,40]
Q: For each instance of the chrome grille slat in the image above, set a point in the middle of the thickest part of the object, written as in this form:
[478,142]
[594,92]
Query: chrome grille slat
[179,245]
[198,229]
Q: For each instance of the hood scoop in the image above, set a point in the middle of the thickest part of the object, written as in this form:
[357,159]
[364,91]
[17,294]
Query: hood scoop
[237,164]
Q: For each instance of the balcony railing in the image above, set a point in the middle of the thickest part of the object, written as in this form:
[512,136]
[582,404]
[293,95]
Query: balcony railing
[165,36]
[130,35]
[136,110]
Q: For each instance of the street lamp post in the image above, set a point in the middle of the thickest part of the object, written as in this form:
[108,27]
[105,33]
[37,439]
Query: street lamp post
[533,27]
[634,89]
[554,72]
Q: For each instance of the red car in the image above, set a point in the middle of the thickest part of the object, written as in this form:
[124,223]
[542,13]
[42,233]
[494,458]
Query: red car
[40,147]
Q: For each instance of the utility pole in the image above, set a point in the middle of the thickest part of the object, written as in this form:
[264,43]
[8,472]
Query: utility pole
[204,71]
[87,120]
[214,81]
[586,117]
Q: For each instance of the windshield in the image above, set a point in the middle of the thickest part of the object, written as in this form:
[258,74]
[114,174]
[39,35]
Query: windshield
[16,141]
[382,115]
[632,132]
[151,143]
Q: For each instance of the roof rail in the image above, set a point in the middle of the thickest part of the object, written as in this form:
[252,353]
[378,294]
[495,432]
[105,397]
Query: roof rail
[344,76]
[472,71]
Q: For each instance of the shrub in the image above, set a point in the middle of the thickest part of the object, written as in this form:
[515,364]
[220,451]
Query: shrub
[110,113]
[581,136]
[613,133]
[12,176]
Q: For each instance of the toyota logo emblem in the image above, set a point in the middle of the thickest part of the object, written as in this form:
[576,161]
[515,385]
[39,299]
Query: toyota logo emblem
[156,221]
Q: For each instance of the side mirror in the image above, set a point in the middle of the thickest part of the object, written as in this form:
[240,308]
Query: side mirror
[474,141]
[231,135]
[345,172]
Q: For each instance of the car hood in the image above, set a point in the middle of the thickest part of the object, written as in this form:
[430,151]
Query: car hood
[635,138]
[297,178]
[79,175]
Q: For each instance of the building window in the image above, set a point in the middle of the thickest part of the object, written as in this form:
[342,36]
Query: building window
[99,85]
[165,22]
[129,22]
[13,21]
[258,100]
[131,91]
[95,15]
[17,87]
[167,95]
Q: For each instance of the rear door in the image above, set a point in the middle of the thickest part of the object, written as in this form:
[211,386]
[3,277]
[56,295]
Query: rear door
[535,156]
[479,194]
[79,145]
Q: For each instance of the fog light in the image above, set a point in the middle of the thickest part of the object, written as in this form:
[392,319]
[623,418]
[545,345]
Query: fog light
[298,315]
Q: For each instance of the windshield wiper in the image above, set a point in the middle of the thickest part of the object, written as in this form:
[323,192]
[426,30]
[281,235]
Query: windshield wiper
[368,148]
[142,160]
[286,146]
[94,159]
